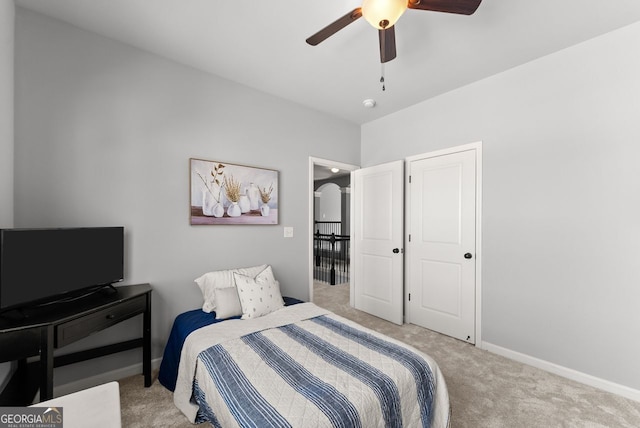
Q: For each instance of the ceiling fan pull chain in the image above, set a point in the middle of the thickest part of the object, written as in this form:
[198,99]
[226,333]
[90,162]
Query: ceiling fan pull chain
[382,76]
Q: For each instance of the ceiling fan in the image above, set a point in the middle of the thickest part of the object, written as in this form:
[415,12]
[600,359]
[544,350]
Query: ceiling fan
[383,14]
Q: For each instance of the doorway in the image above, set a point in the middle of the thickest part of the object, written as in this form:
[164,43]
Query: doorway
[329,223]
[411,301]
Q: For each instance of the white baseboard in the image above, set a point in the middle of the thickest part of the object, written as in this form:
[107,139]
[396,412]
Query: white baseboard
[101,378]
[605,385]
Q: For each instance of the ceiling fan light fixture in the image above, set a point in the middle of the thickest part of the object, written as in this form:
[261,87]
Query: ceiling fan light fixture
[383,13]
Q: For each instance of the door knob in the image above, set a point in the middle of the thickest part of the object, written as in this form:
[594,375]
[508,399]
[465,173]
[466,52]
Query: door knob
[396,250]
[468,256]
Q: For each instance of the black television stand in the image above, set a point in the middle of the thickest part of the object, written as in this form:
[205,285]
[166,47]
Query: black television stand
[62,324]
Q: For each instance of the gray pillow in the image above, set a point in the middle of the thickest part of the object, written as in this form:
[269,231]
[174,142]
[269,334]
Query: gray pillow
[227,303]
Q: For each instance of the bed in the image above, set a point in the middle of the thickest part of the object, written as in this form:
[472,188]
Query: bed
[299,366]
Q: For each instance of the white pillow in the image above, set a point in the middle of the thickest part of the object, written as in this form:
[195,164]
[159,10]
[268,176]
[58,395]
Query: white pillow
[221,279]
[260,295]
[227,303]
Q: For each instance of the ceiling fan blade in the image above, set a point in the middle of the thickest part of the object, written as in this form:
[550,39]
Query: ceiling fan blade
[334,27]
[387,44]
[463,7]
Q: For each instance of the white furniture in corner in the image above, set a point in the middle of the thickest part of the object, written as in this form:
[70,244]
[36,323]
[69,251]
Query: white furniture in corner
[97,407]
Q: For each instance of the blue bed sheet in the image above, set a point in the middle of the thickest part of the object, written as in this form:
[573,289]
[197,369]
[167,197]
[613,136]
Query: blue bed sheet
[183,325]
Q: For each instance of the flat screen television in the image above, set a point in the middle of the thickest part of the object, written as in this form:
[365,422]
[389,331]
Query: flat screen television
[44,265]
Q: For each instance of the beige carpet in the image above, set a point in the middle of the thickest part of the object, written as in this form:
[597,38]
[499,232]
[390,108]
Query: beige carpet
[485,390]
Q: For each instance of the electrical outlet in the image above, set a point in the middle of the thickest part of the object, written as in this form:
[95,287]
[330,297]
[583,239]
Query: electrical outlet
[288,232]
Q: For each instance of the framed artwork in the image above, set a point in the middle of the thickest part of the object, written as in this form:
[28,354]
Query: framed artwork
[226,193]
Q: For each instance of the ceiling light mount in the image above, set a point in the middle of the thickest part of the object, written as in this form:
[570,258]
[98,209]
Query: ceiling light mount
[369,103]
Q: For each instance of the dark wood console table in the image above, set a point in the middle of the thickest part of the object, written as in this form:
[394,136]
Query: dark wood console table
[38,331]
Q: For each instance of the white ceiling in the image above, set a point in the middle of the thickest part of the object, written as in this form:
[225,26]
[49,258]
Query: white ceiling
[261,44]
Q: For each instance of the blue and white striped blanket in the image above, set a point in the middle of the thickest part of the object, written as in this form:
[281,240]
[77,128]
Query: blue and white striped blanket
[303,366]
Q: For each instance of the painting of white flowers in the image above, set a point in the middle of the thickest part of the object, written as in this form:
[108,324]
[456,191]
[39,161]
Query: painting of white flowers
[226,193]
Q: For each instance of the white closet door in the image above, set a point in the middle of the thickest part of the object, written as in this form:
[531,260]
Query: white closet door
[442,247]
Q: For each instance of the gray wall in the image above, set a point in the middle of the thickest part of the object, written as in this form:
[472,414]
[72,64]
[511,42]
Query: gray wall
[7,14]
[103,137]
[561,209]
[330,202]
